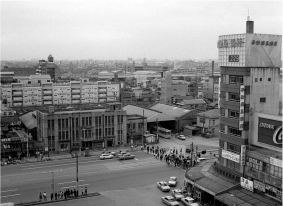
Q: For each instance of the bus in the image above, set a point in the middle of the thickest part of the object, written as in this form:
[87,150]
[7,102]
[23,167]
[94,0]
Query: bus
[162,132]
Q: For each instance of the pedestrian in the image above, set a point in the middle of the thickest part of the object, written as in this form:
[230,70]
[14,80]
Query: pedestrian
[147,148]
[40,197]
[51,196]
[65,194]
[55,195]
[85,190]
[71,193]
[82,189]
[44,196]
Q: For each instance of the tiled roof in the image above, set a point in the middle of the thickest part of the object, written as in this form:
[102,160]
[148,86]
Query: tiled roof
[172,111]
[214,113]
[151,115]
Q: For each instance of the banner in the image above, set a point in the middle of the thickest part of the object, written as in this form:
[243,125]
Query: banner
[259,186]
[247,184]
[231,156]
[243,154]
[242,107]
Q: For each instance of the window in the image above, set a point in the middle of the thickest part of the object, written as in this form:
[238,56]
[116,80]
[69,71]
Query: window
[233,114]
[201,119]
[83,121]
[263,99]
[269,79]
[223,95]
[233,165]
[234,131]
[233,148]
[213,122]
[260,79]
[255,79]
[221,144]
[222,128]
[234,97]
[236,79]
[222,112]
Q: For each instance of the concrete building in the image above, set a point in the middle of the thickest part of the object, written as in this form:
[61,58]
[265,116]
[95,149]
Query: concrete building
[208,123]
[49,93]
[211,88]
[250,116]
[70,129]
[48,68]
[136,127]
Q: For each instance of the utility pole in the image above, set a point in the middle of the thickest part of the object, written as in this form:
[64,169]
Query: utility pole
[77,156]
[192,152]
[142,127]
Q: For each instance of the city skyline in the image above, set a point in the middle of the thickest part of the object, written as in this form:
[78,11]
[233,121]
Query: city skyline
[128,29]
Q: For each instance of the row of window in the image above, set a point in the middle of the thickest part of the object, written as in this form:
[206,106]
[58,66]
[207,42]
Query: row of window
[135,126]
[231,113]
[231,130]
[231,164]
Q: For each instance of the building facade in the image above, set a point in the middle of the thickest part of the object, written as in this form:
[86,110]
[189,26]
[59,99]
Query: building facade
[250,114]
[49,93]
[64,130]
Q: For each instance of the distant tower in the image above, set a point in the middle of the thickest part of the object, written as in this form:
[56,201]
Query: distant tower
[50,58]
[249,26]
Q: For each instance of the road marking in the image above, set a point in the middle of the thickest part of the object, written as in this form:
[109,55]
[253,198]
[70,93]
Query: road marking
[10,195]
[9,190]
[69,182]
[74,186]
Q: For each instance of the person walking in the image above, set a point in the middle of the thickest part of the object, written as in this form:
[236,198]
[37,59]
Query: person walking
[44,196]
[40,197]
[85,190]
[51,196]
[82,189]
[55,195]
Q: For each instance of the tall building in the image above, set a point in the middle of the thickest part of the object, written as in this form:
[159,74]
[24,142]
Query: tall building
[250,111]
[48,67]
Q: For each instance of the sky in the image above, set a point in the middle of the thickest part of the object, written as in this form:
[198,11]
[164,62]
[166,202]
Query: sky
[122,29]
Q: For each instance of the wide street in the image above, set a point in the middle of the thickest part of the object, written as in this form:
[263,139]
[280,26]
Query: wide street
[129,182]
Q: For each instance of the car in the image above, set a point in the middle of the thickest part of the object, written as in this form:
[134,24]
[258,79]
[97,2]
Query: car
[182,137]
[127,156]
[201,159]
[169,200]
[177,194]
[163,186]
[105,156]
[111,153]
[122,153]
[172,181]
[188,201]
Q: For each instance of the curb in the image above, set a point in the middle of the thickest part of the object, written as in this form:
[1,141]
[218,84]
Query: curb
[48,202]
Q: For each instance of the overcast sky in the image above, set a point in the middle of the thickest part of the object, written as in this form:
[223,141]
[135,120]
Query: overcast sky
[121,29]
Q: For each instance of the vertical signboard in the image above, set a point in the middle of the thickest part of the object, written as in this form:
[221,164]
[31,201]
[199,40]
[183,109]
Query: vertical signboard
[219,91]
[247,184]
[243,155]
[242,107]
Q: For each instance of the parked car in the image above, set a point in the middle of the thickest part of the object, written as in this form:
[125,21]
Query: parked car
[181,137]
[177,194]
[172,181]
[163,186]
[106,156]
[169,200]
[127,156]
[188,201]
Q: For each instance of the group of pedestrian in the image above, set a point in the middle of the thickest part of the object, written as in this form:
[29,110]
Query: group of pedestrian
[173,156]
[68,193]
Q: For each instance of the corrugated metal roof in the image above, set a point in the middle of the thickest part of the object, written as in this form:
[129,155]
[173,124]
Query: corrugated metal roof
[172,111]
[29,119]
[214,113]
[149,114]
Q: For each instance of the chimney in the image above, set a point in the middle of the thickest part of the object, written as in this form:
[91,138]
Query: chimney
[249,26]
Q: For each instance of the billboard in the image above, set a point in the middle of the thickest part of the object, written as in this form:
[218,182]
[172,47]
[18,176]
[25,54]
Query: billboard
[242,107]
[247,184]
[231,156]
[270,132]
[249,50]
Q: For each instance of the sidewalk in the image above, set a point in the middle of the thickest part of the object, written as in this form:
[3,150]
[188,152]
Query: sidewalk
[61,200]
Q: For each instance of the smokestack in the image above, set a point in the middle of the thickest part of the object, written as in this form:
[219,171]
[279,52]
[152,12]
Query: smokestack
[212,68]
[249,26]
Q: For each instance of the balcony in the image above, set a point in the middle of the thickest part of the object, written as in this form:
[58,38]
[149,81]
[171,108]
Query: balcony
[17,93]
[101,95]
[77,96]
[76,101]
[47,92]
[47,98]
[76,91]
[17,99]
[17,104]
[102,90]
[47,102]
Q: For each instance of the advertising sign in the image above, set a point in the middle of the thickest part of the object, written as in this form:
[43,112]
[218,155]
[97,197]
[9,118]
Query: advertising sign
[243,154]
[242,107]
[259,186]
[231,156]
[270,132]
[275,162]
[247,184]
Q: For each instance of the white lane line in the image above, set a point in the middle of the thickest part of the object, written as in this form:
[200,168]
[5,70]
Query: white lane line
[69,182]
[58,165]
[74,186]
[10,195]
[9,190]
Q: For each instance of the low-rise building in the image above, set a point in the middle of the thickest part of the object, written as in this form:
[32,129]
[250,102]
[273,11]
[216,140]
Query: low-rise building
[208,122]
